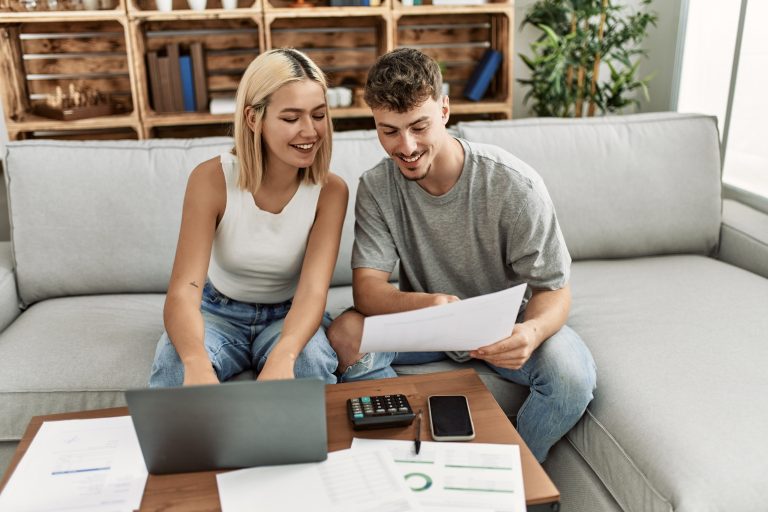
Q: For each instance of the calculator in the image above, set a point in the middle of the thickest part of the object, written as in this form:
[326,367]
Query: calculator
[368,412]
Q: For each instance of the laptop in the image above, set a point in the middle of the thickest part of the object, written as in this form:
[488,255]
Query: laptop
[230,425]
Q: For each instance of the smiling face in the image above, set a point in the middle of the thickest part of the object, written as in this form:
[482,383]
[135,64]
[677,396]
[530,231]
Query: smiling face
[294,125]
[414,139]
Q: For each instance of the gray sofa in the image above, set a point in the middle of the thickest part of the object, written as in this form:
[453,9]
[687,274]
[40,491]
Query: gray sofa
[669,284]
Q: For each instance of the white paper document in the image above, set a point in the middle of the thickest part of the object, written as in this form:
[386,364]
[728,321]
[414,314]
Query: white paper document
[464,325]
[457,476]
[83,465]
[346,482]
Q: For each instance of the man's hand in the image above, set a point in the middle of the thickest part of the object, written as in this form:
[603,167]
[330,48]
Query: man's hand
[277,368]
[513,352]
[199,371]
[438,299]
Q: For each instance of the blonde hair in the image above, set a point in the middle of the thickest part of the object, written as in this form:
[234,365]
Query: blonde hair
[266,74]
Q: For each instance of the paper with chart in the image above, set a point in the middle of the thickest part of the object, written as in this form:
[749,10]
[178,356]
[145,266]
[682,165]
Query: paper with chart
[457,476]
[346,482]
[458,326]
[81,465]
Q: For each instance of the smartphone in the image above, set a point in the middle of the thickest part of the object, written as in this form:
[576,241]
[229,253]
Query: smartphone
[449,418]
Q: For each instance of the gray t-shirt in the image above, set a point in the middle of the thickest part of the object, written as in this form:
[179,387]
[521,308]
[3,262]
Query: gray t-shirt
[496,228]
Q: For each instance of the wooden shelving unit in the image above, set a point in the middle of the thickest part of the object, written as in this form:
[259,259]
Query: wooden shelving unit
[108,48]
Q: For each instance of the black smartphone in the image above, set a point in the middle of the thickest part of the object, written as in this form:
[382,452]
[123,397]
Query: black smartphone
[449,418]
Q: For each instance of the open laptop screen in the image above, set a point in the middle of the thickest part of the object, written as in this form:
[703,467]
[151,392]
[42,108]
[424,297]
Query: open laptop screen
[230,425]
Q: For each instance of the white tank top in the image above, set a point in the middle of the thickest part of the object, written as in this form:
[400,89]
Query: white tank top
[257,255]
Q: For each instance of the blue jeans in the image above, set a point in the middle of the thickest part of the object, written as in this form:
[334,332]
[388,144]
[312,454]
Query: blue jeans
[239,336]
[560,374]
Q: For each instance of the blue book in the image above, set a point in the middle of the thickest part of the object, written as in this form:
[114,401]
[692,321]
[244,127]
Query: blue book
[482,75]
[187,82]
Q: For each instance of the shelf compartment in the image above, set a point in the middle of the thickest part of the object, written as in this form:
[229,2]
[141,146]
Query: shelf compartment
[229,46]
[458,42]
[181,9]
[427,7]
[323,8]
[12,11]
[344,48]
[38,57]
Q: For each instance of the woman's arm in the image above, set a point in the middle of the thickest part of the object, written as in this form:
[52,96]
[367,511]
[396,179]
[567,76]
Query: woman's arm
[204,203]
[306,312]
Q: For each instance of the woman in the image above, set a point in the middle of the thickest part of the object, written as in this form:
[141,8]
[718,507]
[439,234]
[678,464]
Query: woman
[268,218]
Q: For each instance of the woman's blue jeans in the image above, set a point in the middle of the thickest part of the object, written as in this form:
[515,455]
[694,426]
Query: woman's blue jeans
[560,374]
[238,337]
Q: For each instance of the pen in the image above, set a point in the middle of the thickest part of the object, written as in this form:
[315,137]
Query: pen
[417,441]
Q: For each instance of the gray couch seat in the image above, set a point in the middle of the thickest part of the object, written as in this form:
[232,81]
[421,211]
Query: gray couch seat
[74,354]
[678,421]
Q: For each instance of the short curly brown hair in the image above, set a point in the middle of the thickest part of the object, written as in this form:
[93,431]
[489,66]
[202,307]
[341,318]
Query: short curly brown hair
[402,80]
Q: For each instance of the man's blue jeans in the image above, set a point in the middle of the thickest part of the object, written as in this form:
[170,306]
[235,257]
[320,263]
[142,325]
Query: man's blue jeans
[560,374]
[239,336]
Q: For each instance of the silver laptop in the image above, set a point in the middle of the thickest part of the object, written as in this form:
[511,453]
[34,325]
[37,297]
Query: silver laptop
[230,425]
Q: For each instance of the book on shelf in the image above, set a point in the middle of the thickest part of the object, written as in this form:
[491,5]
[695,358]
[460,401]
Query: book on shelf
[478,83]
[187,83]
[155,88]
[166,86]
[172,50]
[199,76]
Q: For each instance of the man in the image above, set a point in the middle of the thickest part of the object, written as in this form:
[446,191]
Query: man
[463,219]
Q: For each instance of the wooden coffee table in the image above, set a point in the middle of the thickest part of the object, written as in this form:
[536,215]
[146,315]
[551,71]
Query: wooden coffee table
[192,492]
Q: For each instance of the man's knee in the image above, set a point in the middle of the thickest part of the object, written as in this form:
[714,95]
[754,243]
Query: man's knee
[346,332]
[573,369]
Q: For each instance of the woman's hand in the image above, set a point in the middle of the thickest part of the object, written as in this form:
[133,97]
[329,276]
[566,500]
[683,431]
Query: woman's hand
[277,367]
[199,371]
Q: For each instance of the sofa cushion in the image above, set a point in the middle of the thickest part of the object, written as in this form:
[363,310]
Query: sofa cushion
[76,354]
[114,229]
[623,186]
[678,420]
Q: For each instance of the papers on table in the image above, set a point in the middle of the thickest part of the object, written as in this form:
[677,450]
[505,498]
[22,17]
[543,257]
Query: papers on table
[79,465]
[458,326]
[346,482]
[457,476]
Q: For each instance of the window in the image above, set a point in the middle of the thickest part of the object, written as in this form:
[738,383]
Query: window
[725,56]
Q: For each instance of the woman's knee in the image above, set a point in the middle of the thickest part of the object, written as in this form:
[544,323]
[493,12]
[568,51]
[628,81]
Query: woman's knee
[317,359]
[167,368]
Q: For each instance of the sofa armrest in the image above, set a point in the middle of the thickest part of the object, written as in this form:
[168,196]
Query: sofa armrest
[744,237]
[9,297]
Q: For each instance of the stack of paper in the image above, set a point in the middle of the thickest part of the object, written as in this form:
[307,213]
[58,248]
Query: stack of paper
[347,482]
[79,465]
[444,477]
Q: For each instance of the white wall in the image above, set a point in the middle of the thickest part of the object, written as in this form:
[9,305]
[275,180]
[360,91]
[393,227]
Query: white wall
[661,44]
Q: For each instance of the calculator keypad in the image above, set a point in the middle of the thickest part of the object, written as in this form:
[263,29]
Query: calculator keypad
[383,411]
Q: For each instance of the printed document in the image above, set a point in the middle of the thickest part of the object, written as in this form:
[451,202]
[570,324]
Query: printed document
[83,465]
[458,326]
[457,476]
[346,482]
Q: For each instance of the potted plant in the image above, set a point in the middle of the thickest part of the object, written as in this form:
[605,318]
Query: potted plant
[578,38]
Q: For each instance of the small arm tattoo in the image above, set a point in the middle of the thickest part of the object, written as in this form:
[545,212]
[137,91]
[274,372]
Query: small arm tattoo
[193,283]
